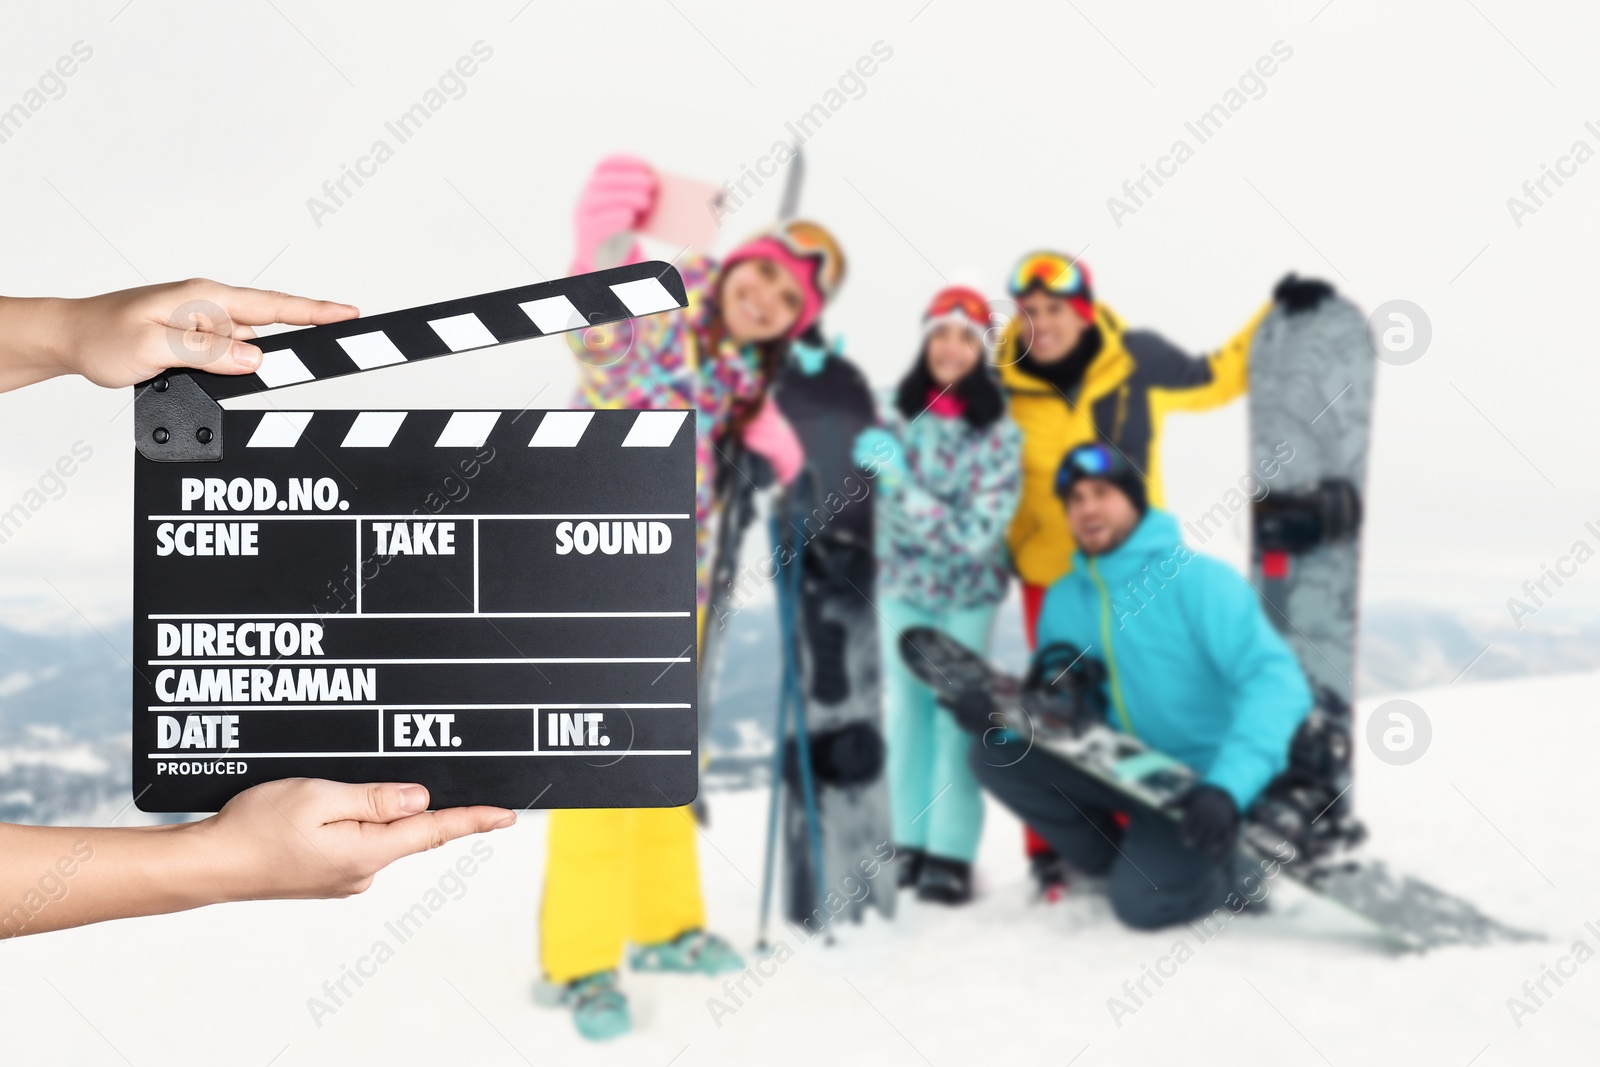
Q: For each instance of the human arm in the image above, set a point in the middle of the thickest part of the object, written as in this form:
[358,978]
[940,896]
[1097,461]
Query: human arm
[770,436]
[1178,381]
[879,454]
[296,838]
[1268,689]
[123,338]
[619,195]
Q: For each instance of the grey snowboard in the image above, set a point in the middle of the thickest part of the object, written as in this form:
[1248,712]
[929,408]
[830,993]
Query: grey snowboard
[1311,386]
[835,627]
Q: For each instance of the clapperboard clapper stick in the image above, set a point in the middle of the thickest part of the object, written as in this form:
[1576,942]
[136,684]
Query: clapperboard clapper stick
[497,604]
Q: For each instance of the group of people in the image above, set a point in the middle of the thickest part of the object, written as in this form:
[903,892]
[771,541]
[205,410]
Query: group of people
[1029,449]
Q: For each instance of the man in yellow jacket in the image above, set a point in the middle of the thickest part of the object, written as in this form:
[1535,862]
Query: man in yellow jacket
[1074,374]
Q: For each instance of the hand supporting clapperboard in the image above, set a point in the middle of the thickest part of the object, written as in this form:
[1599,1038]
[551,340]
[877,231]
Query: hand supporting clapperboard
[334,610]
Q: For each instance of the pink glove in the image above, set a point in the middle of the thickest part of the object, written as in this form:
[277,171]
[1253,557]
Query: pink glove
[770,436]
[619,196]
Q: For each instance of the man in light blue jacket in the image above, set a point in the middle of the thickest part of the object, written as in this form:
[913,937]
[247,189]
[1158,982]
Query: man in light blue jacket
[1193,669]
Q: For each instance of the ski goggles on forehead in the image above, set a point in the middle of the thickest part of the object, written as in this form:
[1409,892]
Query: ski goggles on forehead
[968,305]
[1053,273]
[810,241]
[1088,461]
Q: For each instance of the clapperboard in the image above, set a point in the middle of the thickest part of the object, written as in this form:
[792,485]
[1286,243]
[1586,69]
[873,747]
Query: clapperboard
[497,604]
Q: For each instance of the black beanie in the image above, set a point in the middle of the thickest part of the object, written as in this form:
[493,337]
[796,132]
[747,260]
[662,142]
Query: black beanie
[1106,463]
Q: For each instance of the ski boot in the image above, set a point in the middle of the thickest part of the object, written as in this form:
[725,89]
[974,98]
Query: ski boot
[1049,876]
[945,881]
[692,952]
[599,1008]
[908,867]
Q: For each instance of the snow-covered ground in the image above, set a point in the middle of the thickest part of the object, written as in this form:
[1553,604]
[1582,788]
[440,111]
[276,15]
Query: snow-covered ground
[1495,810]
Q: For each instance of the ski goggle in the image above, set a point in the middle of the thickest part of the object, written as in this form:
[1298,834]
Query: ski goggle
[1089,461]
[1051,272]
[810,241]
[966,303]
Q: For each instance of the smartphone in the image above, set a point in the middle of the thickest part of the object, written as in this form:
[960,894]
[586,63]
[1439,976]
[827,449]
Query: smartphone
[684,217]
[686,212]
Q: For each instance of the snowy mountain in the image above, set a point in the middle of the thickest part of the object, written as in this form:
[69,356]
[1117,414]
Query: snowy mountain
[64,747]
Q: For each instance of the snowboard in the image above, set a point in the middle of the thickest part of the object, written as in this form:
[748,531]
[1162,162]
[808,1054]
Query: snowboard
[1408,912]
[825,518]
[1311,384]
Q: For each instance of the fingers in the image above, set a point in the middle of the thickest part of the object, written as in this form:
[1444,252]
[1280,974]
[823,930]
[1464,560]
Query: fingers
[374,802]
[216,353]
[258,307]
[432,829]
[211,330]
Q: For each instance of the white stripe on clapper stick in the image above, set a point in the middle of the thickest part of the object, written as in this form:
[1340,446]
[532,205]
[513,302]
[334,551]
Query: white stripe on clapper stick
[373,429]
[279,429]
[645,296]
[553,314]
[654,429]
[467,429]
[368,350]
[463,332]
[561,429]
[281,368]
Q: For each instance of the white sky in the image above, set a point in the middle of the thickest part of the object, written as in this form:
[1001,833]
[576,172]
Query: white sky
[1380,157]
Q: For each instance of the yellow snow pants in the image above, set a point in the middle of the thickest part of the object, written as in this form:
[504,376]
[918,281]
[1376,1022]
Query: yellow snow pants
[614,876]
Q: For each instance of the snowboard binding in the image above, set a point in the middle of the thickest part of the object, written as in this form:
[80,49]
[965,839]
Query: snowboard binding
[1295,523]
[845,756]
[1308,805]
[1064,690]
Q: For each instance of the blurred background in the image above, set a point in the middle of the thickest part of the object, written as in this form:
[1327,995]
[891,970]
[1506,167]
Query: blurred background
[1401,153]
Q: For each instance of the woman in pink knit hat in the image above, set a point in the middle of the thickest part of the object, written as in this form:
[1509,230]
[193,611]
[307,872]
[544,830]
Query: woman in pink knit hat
[615,878]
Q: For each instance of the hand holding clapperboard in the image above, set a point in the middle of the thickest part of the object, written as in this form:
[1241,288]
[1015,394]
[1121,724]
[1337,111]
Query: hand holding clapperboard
[499,605]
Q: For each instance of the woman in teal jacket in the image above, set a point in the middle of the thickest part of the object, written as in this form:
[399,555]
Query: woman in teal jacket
[947,464]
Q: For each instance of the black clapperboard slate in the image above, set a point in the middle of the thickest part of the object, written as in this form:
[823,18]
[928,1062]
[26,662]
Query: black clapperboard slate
[499,605]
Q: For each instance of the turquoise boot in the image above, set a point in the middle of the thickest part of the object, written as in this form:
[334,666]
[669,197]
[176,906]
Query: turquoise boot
[599,1008]
[694,952]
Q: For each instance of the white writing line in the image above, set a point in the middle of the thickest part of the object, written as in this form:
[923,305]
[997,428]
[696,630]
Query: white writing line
[263,662]
[320,615]
[408,707]
[345,516]
[238,754]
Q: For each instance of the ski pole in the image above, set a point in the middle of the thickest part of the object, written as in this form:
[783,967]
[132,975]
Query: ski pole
[781,728]
[793,687]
